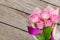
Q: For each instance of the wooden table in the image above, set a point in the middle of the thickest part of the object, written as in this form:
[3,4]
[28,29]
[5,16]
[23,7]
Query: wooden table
[14,17]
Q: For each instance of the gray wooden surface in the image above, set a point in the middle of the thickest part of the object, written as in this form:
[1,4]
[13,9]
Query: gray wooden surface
[14,17]
[24,5]
[10,33]
[54,2]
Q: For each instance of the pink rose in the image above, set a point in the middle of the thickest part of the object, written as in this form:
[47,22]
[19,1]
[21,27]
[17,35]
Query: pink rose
[44,18]
[40,24]
[48,23]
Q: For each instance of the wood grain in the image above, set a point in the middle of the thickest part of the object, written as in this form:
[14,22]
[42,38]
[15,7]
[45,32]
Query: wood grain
[13,17]
[55,2]
[25,5]
[10,33]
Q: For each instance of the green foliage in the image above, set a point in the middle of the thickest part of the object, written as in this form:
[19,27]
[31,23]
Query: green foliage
[46,35]
[47,32]
[40,37]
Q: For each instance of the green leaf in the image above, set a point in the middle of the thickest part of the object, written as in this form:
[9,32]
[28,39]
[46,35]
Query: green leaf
[47,32]
[40,37]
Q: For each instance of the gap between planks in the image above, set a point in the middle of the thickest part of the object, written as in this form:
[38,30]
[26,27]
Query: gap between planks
[10,33]
[13,26]
[13,17]
[15,9]
[54,2]
[49,3]
[27,9]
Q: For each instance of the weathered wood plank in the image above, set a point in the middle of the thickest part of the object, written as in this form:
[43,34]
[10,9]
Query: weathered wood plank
[55,2]
[13,17]
[24,5]
[10,33]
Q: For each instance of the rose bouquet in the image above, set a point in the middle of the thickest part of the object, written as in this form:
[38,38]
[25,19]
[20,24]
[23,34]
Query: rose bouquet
[43,23]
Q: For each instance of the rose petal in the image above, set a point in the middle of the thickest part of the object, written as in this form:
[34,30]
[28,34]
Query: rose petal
[55,12]
[48,23]
[33,18]
[40,24]
[54,18]
[44,15]
[49,9]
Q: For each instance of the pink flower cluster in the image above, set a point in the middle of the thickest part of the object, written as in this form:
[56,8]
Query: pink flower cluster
[44,18]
